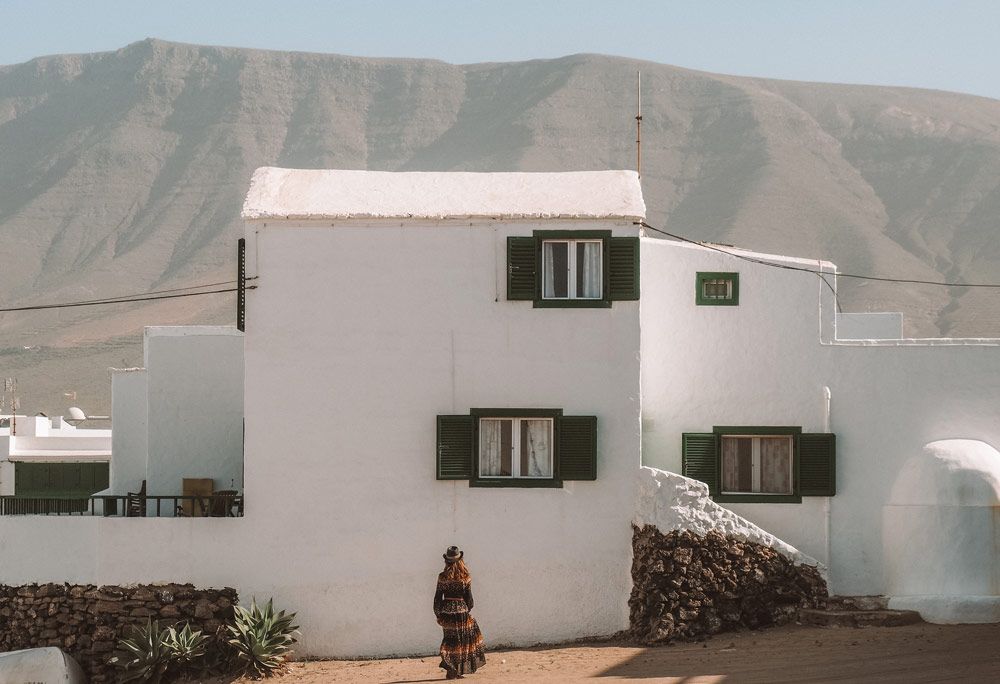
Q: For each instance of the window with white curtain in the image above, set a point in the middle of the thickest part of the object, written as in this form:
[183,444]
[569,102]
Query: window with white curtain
[571,269]
[515,447]
[757,463]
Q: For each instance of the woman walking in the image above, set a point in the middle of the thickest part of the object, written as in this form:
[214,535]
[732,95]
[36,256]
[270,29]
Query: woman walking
[462,645]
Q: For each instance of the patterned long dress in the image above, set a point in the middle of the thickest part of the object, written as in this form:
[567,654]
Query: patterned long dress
[462,645]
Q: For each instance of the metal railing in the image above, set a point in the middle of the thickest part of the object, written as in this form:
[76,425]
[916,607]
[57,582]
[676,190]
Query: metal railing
[218,505]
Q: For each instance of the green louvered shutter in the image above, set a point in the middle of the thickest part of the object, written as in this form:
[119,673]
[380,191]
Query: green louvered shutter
[454,447]
[817,464]
[521,267]
[577,447]
[700,460]
[623,268]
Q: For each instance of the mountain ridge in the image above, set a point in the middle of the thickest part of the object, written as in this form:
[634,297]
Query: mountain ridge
[124,172]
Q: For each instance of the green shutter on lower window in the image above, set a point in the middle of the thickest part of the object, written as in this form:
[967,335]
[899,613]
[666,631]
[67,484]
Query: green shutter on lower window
[623,268]
[817,464]
[700,458]
[521,268]
[454,447]
[578,447]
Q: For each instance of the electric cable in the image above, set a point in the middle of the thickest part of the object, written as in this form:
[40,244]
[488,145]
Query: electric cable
[788,267]
[173,293]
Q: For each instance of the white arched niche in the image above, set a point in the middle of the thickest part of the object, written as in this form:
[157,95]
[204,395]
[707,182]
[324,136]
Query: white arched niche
[941,533]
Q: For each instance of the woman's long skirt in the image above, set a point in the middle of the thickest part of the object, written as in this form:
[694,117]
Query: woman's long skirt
[462,645]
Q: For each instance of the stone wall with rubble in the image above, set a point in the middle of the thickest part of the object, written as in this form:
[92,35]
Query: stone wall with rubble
[686,586]
[700,569]
[86,621]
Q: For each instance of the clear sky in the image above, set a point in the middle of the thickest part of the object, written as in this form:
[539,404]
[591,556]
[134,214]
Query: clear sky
[950,45]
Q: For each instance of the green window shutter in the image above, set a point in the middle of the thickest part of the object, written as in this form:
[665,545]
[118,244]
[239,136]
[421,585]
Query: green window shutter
[521,268]
[700,460]
[623,268]
[454,447]
[817,464]
[577,447]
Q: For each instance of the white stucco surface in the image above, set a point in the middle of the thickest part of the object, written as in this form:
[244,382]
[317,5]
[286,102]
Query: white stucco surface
[194,378]
[672,502]
[327,194]
[870,326]
[372,329]
[129,405]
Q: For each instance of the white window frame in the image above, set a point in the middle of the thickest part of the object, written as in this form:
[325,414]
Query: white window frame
[755,461]
[572,266]
[516,448]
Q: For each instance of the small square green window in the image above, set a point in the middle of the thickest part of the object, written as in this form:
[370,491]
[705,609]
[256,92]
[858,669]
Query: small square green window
[717,289]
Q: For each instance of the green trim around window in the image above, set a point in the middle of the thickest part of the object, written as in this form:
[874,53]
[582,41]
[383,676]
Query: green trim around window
[756,430]
[734,296]
[525,482]
[619,268]
[574,437]
[813,462]
[750,497]
[604,302]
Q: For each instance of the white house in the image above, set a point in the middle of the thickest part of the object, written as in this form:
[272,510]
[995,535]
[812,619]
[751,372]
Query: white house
[50,457]
[426,408]
[487,360]
[774,358]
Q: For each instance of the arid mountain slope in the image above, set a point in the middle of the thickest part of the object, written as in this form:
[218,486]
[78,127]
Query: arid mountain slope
[124,172]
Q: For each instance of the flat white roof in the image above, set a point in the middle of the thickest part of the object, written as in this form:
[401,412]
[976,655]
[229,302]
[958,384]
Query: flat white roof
[331,194]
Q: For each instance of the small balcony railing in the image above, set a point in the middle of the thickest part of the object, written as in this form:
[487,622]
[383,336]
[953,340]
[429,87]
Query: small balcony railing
[216,505]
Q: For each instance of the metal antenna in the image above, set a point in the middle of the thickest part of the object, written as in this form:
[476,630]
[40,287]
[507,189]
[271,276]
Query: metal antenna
[638,121]
[10,385]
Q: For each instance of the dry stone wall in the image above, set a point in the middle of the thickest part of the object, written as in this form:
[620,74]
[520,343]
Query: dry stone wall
[86,621]
[685,586]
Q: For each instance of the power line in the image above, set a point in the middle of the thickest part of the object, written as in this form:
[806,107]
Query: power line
[128,299]
[809,270]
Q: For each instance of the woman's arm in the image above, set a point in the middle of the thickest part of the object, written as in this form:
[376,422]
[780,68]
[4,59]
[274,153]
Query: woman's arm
[438,600]
[468,595]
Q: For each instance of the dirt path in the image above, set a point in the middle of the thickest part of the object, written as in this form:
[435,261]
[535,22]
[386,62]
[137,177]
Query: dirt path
[912,655]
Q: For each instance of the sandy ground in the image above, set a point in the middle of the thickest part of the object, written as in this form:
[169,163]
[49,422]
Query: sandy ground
[911,654]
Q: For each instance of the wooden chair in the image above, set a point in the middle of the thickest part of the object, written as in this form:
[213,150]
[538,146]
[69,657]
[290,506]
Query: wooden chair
[135,503]
[222,503]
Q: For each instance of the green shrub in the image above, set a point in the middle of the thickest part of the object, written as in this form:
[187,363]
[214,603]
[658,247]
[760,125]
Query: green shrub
[261,639]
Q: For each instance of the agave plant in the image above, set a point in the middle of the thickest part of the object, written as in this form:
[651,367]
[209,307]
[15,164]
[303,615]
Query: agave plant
[186,648]
[149,657]
[261,638]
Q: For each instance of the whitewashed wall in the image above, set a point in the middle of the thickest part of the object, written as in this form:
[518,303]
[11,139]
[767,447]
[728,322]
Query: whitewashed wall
[768,362]
[6,467]
[364,332]
[195,406]
[129,392]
